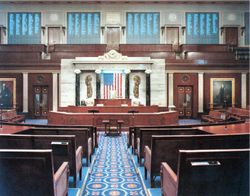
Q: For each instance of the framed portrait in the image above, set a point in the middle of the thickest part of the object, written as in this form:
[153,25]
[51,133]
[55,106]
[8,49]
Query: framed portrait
[7,93]
[222,92]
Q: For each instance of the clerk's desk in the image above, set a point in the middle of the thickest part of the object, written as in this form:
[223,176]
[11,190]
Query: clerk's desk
[147,115]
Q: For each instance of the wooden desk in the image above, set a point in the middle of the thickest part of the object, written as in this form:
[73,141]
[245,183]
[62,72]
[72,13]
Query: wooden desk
[110,109]
[227,129]
[11,129]
[154,118]
[113,102]
[106,124]
[113,126]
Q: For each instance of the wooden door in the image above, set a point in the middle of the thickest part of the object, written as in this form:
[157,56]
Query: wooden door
[172,35]
[231,36]
[41,101]
[113,38]
[185,101]
[54,35]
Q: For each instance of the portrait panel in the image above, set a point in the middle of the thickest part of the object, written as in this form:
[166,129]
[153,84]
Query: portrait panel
[222,92]
[7,93]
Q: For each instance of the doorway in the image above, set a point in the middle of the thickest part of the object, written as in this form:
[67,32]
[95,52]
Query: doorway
[185,101]
[231,36]
[113,38]
[54,35]
[41,101]
[172,35]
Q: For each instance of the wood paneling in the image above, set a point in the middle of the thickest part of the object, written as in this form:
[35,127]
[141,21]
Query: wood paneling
[19,88]
[22,48]
[146,47]
[209,55]
[148,50]
[69,51]
[29,56]
[207,77]
[191,80]
[111,109]
[163,118]
[79,47]
[21,53]
[204,47]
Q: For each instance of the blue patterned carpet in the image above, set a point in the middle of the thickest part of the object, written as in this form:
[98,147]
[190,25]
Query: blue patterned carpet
[113,171]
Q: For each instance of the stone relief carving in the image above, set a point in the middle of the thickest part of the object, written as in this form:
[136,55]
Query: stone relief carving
[88,82]
[112,55]
[137,81]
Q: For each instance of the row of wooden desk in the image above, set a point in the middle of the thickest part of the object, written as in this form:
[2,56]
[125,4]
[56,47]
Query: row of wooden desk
[219,129]
[227,129]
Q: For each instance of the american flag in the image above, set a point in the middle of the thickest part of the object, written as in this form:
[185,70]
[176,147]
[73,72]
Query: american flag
[112,85]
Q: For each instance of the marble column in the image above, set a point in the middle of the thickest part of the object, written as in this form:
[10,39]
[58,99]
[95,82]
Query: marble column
[54,91]
[98,84]
[200,92]
[25,93]
[77,87]
[170,89]
[127,84]
[148,89]
[243,90]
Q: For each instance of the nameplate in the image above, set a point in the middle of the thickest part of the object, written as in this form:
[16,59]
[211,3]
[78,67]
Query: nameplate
[204,163]
[59,143]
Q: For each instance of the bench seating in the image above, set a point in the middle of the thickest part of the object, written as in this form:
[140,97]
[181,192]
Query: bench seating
[82,137]
[135,130]
[214,116]
[31,172]
[12,116]
[92,129]
[166,148]
[145,134]
[65,152]
[207,172]
[238,113]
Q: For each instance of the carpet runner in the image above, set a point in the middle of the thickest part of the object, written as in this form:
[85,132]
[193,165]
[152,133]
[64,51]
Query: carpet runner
[113,171]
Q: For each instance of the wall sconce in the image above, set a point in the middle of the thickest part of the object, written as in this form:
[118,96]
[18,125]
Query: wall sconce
[3,29]
[98,71]
[63,29]
[123,29]
[242,30]
[162,29]
[148,71]
[77,71]
[102,29]
[127,71]
[43,29]
[183,29]
[222,30]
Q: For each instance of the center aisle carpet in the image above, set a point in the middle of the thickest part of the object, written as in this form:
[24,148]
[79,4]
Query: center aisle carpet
[113,171]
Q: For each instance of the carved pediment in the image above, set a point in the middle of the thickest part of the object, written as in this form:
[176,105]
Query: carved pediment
[112,55]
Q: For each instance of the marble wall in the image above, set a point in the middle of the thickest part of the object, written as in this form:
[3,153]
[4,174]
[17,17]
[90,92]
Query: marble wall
[136,65]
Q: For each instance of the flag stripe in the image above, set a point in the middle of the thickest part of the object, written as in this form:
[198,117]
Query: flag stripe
[112,86]
[121,85]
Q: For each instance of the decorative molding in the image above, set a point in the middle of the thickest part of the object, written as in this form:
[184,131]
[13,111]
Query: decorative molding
[112,55]
[185,78]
